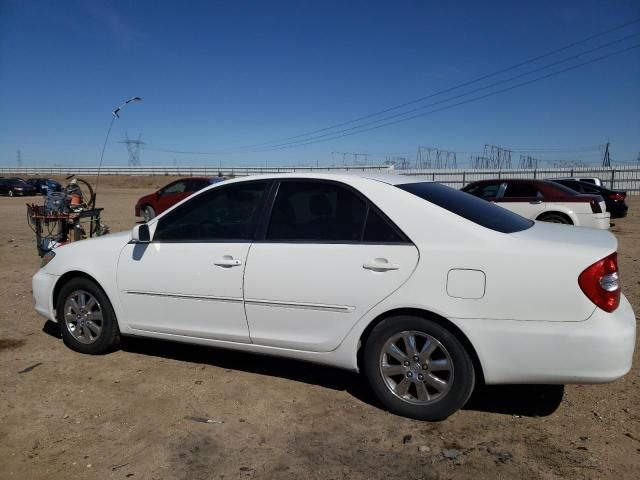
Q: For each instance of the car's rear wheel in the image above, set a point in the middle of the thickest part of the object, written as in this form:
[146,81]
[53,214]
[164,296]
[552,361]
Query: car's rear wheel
[554,218]
[148,213]
[417,368]
[86,318]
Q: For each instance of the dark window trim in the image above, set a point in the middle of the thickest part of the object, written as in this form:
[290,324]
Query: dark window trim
[260,237]
[261,210]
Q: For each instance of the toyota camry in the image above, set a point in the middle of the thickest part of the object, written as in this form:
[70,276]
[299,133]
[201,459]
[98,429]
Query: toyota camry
[424,289]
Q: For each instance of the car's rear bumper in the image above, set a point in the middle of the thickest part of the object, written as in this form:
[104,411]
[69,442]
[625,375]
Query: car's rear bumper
[594,220]
[597,350]
[619,211]
[42,285]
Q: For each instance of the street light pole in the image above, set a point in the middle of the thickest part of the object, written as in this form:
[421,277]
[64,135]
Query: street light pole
[114,114]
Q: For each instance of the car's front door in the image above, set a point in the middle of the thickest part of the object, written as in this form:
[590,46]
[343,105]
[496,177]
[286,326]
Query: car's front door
[189,280]
[326,257]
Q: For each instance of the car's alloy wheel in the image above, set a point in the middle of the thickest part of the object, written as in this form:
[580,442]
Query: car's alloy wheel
[11,193]
[554,218]
[148,213]
[83,316]
[86,318]
[417,368]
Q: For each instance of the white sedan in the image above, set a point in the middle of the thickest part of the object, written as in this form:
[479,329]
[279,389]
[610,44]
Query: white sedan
[423,288]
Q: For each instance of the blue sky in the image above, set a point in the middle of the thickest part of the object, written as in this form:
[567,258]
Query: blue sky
[218,76]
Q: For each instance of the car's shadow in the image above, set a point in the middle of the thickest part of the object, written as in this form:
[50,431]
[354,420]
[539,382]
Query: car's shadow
[523,400]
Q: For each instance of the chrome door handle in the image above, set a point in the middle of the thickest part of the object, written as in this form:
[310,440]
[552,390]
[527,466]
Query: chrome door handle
[227,261]
[380,265]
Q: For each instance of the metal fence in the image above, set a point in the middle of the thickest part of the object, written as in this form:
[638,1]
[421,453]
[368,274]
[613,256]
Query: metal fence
[619,178]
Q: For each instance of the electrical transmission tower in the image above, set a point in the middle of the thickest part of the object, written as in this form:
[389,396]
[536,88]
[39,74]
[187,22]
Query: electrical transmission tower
[401,163]
[133,148]
[351,158]
[498,157]
[527,161]
[429,157]
[606,159]
[479,161]
[19,158]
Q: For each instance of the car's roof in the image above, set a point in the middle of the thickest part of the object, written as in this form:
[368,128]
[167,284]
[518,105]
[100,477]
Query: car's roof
[346,177]
[502,180]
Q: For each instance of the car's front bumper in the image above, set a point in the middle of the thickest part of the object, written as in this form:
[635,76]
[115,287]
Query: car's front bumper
[596,350]
[42,285]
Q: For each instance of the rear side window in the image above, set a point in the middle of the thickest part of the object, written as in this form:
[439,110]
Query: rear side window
[316,211]
[520,190]
[469,207]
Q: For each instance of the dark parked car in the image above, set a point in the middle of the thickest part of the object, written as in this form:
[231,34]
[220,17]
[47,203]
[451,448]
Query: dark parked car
[16,186]
[155,203]
[45,185]
[614,199]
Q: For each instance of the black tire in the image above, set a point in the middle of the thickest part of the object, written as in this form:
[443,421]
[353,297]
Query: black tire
[148,213]
[109,335]
[460,379]
[555,218]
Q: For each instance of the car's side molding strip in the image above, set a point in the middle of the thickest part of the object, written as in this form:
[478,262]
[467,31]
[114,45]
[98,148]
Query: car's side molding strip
[191,297]
[266,303]
[306,306]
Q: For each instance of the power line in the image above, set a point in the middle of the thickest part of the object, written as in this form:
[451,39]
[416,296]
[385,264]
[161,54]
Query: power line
[447,107]
[446,100]
[449,89]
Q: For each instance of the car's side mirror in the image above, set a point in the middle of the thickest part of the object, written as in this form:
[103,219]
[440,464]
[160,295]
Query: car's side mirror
[141,234]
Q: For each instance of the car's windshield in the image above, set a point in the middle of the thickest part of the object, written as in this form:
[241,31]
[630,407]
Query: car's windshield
[467,206]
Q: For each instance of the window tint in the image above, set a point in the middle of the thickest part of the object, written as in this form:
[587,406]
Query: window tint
[588,180]
[178,187]
[377,230]
[467,206]
[195,185]
[484,190]
[520,190]
[227,213]
[319,211]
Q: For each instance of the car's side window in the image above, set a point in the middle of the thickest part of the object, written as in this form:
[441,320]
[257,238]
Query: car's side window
[378,230]
[316,211]
[195,185]
[486,190]
[228,213]
[178,187]
[520,190]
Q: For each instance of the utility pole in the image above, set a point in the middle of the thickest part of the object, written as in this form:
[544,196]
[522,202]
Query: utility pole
[19,158]
[606,159]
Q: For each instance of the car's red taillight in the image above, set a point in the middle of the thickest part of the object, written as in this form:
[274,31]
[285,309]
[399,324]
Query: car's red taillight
[595,206]
[601,283]
[617,196]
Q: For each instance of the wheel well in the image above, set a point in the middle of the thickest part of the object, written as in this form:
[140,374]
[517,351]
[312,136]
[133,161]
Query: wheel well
[64,279]
[477,366]
[560,214]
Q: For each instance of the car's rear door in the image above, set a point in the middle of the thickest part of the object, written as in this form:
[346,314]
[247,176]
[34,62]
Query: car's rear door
[189,280]
[522,198]
[326,257]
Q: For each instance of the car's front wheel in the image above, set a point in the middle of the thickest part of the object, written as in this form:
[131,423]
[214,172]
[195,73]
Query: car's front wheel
[11,194]
[86,318]
[417,368]
[148,213]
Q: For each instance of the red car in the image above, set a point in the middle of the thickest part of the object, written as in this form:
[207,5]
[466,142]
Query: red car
[155,203]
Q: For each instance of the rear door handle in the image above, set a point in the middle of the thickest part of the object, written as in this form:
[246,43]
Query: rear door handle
[380,265]
[227,261]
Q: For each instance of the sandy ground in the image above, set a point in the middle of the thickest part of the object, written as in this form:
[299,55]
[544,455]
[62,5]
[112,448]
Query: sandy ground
[65,415]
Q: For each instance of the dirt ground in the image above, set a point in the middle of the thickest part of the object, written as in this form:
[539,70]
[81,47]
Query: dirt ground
[125,415]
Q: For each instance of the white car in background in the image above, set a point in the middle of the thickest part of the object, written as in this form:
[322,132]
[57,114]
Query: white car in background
[545,201]
[424,288]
